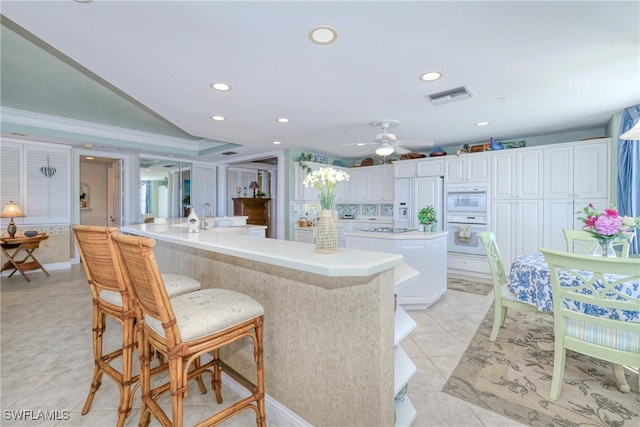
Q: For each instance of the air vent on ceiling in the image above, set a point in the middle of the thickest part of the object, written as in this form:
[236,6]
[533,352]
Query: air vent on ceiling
[451,95]
[229,153]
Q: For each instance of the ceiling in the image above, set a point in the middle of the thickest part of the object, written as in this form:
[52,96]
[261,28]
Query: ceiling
[534,68]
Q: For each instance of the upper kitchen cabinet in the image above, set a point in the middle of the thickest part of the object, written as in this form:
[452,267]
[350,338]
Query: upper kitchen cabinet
[517,174]
[380,183]
[303,193]
[404,169]
[432,167]
[468,168]
[413,168]
[578,170]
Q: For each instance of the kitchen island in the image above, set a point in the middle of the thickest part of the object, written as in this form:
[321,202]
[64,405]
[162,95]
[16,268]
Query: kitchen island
[426,252]
[329,320]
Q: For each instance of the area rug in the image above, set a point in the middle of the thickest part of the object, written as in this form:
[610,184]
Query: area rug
[512,377]
[464,285]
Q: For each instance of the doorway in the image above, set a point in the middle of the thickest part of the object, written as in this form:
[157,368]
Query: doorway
[100,191]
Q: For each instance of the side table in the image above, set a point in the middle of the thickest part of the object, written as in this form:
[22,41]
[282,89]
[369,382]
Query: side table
[17,245]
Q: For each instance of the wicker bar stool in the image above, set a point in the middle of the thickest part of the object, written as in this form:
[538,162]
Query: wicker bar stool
[111,298]
[185,328]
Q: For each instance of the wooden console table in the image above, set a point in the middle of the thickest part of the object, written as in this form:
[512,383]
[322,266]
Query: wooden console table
[258,209]
[19,244]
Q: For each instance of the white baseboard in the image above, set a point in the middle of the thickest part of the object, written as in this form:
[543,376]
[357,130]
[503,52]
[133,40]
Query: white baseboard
[278,415]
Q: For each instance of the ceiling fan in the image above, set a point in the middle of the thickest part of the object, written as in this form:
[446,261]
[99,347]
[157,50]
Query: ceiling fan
[387,142]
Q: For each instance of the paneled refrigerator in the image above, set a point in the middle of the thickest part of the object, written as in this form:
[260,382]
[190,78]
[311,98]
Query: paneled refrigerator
[413,194]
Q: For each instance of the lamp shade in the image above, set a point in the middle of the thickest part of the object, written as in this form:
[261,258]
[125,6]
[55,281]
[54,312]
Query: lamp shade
[254,185]
[11,210]
[633,133]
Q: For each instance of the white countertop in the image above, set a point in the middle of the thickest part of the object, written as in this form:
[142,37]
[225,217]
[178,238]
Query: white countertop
[283,253]
[408,235]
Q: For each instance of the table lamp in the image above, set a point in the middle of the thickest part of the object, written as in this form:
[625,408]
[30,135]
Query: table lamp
[11,210]
[255,186]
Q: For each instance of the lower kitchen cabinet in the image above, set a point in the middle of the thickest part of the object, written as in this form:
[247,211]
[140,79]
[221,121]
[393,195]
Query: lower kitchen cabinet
[308,235]
[426,252]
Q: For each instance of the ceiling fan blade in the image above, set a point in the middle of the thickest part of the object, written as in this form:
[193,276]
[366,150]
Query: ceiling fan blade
[401,150]
[416,142]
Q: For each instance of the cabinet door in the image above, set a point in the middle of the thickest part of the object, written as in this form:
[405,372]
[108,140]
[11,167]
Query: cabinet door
[404,169]
[303,236]
[386,189]
[558,173]
[503,224]
[478,167]
[358,184]
[529,223]
[503,175]
[303,193]
[530,171]
[591,171]
[454,170]
[430,168]
[558,216]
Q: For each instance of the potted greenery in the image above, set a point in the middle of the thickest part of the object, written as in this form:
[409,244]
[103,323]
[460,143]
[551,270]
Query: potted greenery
[427,218]
[302,161]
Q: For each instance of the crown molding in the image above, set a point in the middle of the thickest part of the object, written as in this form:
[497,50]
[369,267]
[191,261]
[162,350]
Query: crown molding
[61,124]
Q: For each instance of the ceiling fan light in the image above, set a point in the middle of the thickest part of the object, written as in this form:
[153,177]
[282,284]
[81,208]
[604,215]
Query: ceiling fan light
[384,150]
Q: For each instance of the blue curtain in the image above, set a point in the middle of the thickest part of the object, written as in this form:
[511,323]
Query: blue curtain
[629,172]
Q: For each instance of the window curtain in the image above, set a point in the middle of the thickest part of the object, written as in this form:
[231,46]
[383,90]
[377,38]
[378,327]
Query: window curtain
[629,172]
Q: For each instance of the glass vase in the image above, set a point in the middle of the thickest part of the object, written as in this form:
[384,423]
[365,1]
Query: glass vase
[604,248]
[326,233]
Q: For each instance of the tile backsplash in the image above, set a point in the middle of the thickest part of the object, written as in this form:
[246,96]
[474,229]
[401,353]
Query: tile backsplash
[312,210]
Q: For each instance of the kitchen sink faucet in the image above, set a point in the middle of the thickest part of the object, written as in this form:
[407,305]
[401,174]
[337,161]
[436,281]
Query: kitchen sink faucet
[203,223]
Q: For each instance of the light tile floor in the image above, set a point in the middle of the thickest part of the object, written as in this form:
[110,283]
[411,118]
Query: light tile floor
[46,358]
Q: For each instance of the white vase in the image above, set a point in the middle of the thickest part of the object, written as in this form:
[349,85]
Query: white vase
[193,221]
[326,233]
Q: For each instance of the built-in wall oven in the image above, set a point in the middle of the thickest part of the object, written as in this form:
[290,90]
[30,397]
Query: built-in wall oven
[466,215]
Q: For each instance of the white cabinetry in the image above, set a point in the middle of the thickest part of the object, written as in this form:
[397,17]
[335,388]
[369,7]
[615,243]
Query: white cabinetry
[379,183]
[577,171]
[404,169]
[303,193]
[308,235]
[575,175]
[517,202]
[433,167]
[426,253]
[304,235]
[468,168]
[357,185]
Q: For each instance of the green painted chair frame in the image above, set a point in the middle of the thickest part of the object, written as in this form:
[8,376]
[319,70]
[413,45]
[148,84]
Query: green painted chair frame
[504,298]
[582,242]
[613,340]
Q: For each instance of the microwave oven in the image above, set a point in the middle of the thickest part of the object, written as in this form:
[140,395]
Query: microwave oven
[467,199]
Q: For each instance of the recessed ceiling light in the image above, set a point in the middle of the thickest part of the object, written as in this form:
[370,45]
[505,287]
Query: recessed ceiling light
[360,144]
[221,86]
[283,120]
[431,76]
[482,123]
[88,158]
[217,118]
[323,35]
[277,142]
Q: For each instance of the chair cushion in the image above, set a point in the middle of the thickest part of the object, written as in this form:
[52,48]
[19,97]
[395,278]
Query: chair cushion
[607,337]
[506,293]
[176,285]
[208,311]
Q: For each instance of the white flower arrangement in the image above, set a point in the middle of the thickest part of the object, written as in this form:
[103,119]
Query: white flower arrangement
[325,180]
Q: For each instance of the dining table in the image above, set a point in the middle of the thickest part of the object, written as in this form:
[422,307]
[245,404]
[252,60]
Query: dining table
[530,280]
